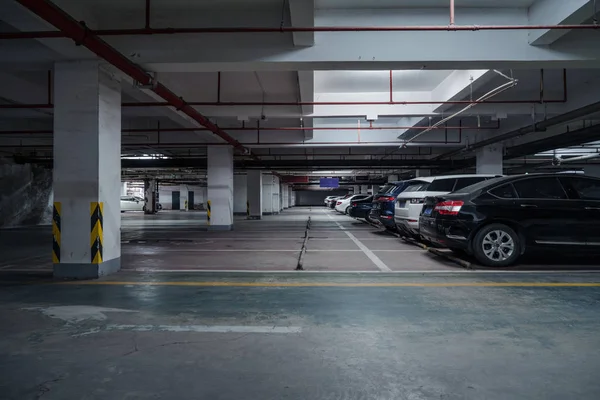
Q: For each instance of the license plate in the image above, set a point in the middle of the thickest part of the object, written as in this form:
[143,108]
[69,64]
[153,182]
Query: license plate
[427,211]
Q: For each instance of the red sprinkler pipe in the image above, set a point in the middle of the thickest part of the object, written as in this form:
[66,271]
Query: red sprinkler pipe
[83,36]
[291,29]
[451,12]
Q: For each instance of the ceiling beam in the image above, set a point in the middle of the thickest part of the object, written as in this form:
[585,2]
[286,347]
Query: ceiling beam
[302,13]
[556,12]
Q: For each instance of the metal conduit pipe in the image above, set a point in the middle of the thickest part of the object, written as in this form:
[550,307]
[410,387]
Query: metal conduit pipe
[291,29]
[69,27]
[537,127]
[265,129]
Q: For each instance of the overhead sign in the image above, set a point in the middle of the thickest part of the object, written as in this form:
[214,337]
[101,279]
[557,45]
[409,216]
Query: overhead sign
[329,182]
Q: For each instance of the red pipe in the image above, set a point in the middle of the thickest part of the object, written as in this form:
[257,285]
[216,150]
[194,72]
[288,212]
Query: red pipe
[391,88]
[291,29]
[83,36]
[452,12]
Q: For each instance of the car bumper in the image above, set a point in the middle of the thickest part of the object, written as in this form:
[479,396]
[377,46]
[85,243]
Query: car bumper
[358,212]
[453,233]
[407,224]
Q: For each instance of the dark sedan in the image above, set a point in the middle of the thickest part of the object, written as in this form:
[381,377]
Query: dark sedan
[361,208]
[498,220]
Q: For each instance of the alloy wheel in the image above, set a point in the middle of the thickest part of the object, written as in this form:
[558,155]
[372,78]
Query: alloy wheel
[498,245]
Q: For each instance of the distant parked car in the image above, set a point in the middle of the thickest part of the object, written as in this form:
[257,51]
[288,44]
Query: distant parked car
[328,199]
[132,203]
[409,202]
[383,204]
[343,205]
[333,202]
[498,220]
[361,208]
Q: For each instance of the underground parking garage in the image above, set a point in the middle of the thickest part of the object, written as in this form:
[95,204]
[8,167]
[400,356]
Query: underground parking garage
[202,200]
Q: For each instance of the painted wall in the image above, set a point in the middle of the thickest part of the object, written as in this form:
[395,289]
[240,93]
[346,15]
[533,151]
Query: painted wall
[165,197]
[25,195]
[240,194]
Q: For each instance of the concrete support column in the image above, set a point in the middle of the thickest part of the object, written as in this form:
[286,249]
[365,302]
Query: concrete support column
[220,187]
[87,171]
[284,196]
[270,188]
[393,178]
[254,194]
[356,189]
[364,189]
[421,173]
[489,159]
[373,189]
[150,196]
[240,195]
[290,196]
[183,198]
[123,188]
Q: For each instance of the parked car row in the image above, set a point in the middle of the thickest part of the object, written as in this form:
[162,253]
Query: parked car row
[494,218]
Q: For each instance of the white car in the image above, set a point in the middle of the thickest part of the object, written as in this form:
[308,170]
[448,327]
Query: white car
[342,205]
[328,199]
[409,203]
[132,203]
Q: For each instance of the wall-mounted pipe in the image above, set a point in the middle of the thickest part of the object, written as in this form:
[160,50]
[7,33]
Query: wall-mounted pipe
[292,29]
[77,31]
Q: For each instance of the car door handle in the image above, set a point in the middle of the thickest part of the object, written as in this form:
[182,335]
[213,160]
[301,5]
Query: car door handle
[592,208]
[528,206]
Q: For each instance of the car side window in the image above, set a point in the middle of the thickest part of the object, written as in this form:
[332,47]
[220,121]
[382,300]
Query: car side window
[504,192]
[586,189]
[540,188]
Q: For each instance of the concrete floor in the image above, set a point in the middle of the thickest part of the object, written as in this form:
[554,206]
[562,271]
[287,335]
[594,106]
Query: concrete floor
[175,324]
[179,241]
[301,336]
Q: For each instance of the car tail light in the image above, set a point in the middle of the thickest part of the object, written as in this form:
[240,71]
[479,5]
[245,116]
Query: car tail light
[339,202]
[417,201]
[387,198]
[354,204]
[449,207]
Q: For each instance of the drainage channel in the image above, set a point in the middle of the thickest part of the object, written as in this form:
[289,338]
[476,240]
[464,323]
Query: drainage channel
[300,264]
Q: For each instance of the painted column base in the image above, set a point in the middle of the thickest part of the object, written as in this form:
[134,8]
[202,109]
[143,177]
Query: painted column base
[87,271]
[220,227]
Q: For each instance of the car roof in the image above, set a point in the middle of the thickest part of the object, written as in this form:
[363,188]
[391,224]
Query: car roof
[433,178]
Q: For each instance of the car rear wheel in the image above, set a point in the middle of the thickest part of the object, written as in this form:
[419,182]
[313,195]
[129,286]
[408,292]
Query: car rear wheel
[347,210]
[496,245]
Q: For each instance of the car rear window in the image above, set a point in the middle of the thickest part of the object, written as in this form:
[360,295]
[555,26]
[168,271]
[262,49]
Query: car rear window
[504,192]
[540,188]
[387,188]
[417,187]
[462,183]
[442,185]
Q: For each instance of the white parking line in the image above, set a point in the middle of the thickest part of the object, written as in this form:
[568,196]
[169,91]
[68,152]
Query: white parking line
[376,260]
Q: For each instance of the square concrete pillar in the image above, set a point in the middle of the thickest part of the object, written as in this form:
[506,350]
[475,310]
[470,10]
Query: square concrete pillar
[489,159]
[184,198]
[87,171]
[255,194]
[393,178]
[364,189]
[150,196]
[422,173]
[220,188]
[356,189]
[290,196]
[240,194]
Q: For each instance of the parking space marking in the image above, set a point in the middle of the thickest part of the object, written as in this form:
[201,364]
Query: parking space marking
[376,260]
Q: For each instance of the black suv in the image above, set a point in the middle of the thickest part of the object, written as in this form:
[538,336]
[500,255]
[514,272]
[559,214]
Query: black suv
[498,219]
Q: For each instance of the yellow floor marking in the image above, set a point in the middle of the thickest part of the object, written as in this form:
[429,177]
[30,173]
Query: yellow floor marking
[337,284]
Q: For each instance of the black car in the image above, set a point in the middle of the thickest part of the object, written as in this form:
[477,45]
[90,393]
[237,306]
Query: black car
[498,220]
[361,208]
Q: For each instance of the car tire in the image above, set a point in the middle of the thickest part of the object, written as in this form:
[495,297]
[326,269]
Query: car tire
[496,245]
[347,210]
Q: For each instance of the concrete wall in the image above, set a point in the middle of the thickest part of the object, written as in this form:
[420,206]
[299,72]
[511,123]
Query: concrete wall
[165,196]
[25,195]
[240,194]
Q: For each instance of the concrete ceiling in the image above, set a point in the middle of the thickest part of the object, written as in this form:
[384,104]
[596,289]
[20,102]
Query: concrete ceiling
[341,78]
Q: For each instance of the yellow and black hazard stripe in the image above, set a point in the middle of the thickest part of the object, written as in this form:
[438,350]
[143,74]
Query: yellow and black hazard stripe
[208,211]
[96,233]
[248,208]
[56,211]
